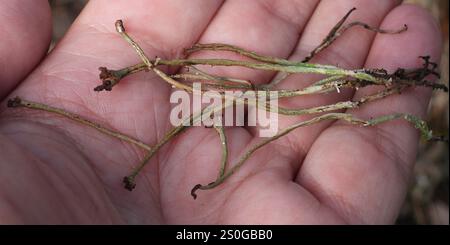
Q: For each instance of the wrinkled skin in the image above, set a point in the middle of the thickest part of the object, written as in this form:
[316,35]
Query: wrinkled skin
[55,171]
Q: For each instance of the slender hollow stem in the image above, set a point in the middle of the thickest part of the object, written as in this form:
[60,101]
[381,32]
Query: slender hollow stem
[19,102]
[208,83]
[221,79]
[120,28]
[294,68]
[238,50]
[223,140]
[337,106]
[340,28]
[416,122]
[220,130]
[280,76]
[128,181]
[148,64]
[214,81]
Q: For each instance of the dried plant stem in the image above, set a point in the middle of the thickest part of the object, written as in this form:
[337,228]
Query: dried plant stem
[223,140]
[238,50]
[296,68]
[19,102]
[121,30]
[418,123]
[214,81]
[221,79]
[148,64]
[207,84]
[223,164]
[128,181]
[340,28]
[337,106]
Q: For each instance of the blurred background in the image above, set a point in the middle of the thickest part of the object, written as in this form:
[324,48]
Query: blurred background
[427,201]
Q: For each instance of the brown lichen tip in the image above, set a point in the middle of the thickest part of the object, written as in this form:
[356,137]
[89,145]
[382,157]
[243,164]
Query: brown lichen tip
[109,79]
[429,66]
[412,77]
[15,102]
[119,26]
[128,183]
[196,187]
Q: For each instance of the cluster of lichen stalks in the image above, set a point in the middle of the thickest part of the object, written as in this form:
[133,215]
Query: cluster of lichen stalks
[335,78]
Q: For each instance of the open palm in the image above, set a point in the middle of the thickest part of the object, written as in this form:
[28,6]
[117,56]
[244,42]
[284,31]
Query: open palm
[55,171]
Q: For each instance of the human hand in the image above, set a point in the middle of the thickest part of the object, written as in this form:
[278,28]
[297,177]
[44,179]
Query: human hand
[55,171]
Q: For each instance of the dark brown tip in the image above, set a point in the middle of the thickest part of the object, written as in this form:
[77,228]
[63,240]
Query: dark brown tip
[128,183]
[15,102]
[109,79]
[106,85]
[104,72]
[196,187]
[119,26]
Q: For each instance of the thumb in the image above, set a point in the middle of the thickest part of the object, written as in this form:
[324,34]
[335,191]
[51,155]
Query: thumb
[26,32]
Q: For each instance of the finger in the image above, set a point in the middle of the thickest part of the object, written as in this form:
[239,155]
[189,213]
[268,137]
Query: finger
[266,27]
[363,173]
[26,32]
[348,51]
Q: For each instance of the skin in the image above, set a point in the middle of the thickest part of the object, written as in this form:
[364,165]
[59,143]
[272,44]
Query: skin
[54,171]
